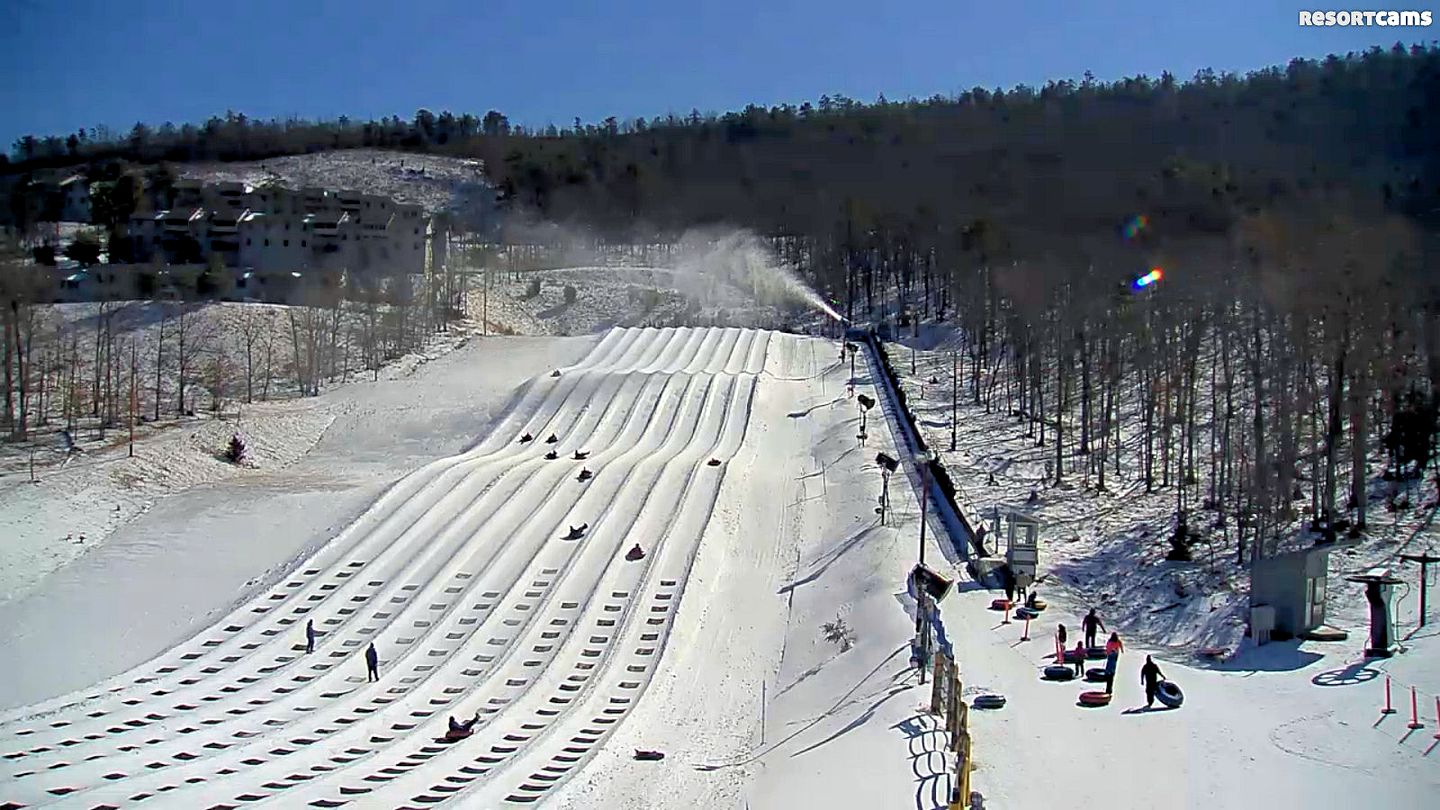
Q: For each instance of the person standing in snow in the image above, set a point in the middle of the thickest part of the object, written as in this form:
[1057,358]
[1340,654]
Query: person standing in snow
[1092,625]
[372,663]
[1113,648]
[1060,644]
[1150,675]
[310,636]
[1079,659]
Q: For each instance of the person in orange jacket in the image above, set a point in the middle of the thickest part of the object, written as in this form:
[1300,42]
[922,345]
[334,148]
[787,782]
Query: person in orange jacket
[1114,644]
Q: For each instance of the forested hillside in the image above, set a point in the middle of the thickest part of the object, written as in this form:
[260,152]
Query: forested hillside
[1295,331]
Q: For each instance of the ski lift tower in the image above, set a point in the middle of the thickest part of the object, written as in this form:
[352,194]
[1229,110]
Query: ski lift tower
[1022,547]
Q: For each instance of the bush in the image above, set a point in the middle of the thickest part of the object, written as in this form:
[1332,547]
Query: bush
[837,632]
[236,452]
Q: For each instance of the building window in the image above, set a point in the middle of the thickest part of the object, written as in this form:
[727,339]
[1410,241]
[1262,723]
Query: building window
[302,243]
[247,240]
[417,231]
[267,243]
[287,242]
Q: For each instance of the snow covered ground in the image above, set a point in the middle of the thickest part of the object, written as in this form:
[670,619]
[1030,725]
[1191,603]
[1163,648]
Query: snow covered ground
[195,536]
[709,649]
[434,181]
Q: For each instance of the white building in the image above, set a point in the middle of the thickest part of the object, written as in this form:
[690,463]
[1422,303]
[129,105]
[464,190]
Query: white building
[271,230]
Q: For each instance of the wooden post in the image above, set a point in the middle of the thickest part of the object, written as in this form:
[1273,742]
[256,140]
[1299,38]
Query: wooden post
[937,691]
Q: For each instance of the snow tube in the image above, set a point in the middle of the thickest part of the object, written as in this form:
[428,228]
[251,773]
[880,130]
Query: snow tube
[453,735]
[1059,672]
[1170,695]
[1095,653]
[714,462]
[1095,698]
[641,753]
[1039,604]
[1095,675]
[551,456]
[988,701]
[1025,613]
[1071,656]
[1000,604]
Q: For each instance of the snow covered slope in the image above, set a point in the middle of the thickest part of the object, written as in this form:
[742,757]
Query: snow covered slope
[475,603]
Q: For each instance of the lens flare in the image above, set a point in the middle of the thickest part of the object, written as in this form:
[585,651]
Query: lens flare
[1149,278]
[1134,226]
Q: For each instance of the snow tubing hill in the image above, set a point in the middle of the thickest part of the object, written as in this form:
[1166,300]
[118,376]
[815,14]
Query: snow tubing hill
[1059,672]
[1170,695]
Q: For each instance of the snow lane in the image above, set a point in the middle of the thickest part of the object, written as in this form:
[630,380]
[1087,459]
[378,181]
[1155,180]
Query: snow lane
[478,529]
[512,586]
[407,512]
[382,510]
[514,686]
[554,479]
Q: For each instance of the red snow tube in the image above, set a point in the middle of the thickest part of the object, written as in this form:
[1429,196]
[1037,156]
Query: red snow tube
[1094,698]
[1000,604]
[1059,672]
[1169,694]
[453,735]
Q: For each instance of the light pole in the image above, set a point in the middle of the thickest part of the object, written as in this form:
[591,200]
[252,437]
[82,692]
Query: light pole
[923,460]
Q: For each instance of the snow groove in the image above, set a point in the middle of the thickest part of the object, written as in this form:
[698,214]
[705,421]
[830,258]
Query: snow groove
[460,575]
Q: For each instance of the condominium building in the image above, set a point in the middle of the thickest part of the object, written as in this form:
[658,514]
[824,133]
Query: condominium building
[272,229]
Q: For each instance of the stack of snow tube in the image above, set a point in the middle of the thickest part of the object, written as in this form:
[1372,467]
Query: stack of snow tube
[1094,698]
[988,701]
[1170,695]
[1059,672]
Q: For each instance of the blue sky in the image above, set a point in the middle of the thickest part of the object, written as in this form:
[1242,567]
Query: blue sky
[80,63]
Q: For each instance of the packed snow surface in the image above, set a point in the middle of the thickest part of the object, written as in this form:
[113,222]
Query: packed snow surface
[709,648]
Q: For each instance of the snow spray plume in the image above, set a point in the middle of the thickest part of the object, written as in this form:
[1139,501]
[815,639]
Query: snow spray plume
[740,259]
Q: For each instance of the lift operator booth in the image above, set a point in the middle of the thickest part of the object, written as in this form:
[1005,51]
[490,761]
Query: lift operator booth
[1022,547]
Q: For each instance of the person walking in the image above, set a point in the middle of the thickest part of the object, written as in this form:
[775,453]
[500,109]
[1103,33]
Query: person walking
[1092,625]
[1150,676]
[372,663]
[310,636]
[1060,644]
[1113,648]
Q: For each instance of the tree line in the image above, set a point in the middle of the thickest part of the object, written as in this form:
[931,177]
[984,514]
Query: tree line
[1293,212]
